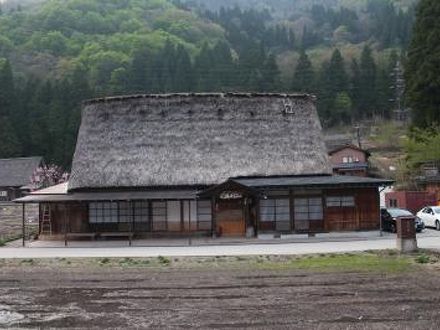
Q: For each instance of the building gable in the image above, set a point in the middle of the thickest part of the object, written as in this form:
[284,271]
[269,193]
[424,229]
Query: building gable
[196,139]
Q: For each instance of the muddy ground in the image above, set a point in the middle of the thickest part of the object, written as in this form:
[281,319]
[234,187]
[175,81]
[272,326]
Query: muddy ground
[216,298]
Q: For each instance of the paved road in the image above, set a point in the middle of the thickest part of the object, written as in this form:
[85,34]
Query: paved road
[425,241]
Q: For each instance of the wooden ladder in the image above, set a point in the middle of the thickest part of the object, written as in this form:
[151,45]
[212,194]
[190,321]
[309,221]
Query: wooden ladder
[46,221]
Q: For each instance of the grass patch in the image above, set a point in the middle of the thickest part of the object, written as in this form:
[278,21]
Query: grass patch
[386,261]
[164,261]
[4,240]
[349,262]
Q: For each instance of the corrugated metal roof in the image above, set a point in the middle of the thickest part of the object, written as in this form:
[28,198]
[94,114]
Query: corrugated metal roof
[351,165]
[109,196]
[333,180]
[58,189]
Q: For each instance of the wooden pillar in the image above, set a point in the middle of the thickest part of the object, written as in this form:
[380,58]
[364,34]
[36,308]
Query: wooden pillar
[378,192]
[23,228]
[189,224]
[213,218]
[65,224]
[257,215]
[132,229]
[291,210]
[150,217]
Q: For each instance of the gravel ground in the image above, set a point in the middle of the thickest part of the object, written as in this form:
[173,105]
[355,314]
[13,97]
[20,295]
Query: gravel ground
[216,298]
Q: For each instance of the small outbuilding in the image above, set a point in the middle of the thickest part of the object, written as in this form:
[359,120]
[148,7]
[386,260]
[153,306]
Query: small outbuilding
[210,164]
[429,178]
[349,159]
[15,176]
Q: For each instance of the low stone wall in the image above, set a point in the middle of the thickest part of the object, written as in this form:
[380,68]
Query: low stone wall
[11,220]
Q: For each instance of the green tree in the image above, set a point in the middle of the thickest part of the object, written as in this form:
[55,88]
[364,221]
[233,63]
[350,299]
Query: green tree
[304,76]
[337,74]
[7,93]
[355,88]
[367,83]
[184,80]
[223,66]
[422,70]
[139,71]
[10,145]
[422,145]
[342,108]
[270,82]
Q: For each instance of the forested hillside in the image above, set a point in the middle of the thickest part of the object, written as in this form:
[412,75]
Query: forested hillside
[55,53]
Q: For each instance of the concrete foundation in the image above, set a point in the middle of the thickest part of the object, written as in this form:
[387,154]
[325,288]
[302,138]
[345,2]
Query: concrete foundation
[406,245]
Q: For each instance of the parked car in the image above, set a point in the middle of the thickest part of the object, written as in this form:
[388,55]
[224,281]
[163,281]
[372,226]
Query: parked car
[430,216]
[388,216]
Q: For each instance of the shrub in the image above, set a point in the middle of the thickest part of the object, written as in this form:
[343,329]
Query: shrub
[164,260]
[423,259]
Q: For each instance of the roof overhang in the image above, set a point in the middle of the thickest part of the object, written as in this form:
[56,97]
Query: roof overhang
[330,181]
[108,196]
[228,186]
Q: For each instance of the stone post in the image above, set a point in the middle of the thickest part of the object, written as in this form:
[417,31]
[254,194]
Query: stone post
[406,235]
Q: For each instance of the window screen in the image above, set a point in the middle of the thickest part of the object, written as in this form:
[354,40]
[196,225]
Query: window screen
[173,216]
[340,201]
[159,215]
[308,208]
[204,215]
[275,211]
[103,212]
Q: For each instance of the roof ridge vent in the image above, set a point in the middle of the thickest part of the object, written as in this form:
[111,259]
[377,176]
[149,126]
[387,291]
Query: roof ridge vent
[288,107]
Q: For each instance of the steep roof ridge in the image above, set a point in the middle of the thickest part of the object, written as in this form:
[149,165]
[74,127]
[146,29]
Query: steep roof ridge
[220,95]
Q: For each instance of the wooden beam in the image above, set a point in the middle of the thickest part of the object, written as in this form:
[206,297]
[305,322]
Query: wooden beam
[65,224]
[213,218]
[23,224]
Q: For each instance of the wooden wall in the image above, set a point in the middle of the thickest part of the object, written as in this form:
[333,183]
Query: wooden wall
[76,217]
[230,217]
[363,216]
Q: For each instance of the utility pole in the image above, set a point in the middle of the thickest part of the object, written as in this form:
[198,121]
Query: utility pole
[358,135]
[399,90]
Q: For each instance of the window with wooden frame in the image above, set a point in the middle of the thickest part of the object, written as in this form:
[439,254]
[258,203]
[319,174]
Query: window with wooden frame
[340,201]
[308,208]
[189,215]
[275,214]
[174,220]
[125,212]
[204,215]
[159,215]
[103,212]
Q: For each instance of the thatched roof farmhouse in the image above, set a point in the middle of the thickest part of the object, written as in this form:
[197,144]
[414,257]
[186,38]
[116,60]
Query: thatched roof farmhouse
[196,139]
[223,164]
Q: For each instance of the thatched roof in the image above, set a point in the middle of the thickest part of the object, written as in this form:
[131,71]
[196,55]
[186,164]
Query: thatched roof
[196,139]
[17,172]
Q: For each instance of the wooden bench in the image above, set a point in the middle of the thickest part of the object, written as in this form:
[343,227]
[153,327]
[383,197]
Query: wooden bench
[73,235]
[129,235]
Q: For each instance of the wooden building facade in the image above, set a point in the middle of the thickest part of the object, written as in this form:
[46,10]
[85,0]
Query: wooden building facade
[349,160]
[207,164]
[237,208]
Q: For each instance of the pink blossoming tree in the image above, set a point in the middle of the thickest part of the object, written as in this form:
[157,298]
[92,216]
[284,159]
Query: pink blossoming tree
[48,175]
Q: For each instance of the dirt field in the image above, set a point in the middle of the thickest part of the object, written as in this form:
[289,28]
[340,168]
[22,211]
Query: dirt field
[304,293]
